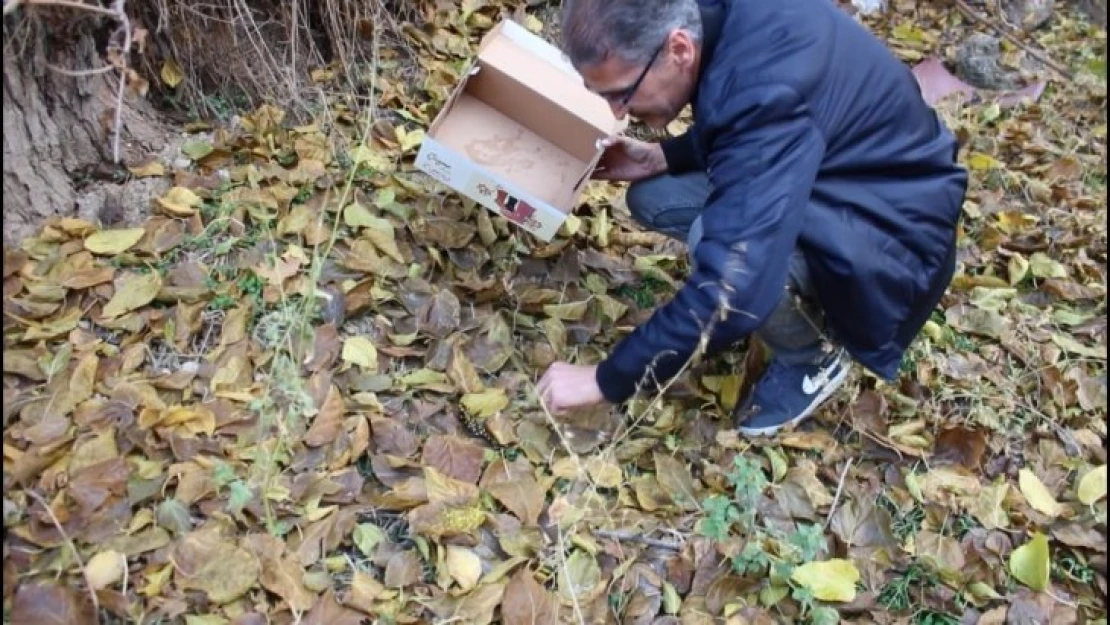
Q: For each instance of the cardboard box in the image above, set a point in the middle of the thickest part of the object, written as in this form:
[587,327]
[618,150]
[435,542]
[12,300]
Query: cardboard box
[520,134]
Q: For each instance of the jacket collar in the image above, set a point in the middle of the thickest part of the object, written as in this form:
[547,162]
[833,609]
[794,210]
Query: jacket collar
[712,20]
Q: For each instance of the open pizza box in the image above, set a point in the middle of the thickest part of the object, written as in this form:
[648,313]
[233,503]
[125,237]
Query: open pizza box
[520,134]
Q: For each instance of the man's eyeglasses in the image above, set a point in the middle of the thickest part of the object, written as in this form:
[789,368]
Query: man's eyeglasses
[624,96]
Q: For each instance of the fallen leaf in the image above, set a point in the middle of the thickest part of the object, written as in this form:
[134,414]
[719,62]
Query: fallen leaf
[1092,486]
[171,73]
[959,445]
[527,602]
[522,496]
[675,478]
[485,403]
[206,562]
[454,457]
[359,350]
[180,202]
[51,604]
[1029,563]
[579,578]
[104,569]
[112,242]
[463,565]
[1037,494]
[829,580]
[133,292]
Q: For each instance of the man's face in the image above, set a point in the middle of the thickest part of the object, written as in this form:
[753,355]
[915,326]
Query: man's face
[653,93]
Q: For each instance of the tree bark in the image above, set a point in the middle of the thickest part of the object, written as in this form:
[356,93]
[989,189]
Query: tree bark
[58,128]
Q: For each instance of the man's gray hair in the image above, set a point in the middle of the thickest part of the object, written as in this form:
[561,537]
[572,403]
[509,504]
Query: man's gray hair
[632,30]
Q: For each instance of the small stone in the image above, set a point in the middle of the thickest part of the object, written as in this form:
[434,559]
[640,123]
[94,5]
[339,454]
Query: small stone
[1028,15]
[977,63]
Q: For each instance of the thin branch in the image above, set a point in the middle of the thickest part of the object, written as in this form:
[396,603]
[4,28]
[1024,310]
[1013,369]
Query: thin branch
[638,538]
[839,491]
[80,73]
[69,543]
[966,9]
[69,4]
[125,24]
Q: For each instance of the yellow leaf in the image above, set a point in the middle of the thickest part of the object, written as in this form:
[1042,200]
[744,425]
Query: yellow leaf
[152,168]
[485,403]
[532,23]
[573,311]
[1092,486]
[111,242]
[156,580]
[980,161]
[132,293]
[464,566]
[171,73]
[829,580]
[1029,563]
[1043,266]
[356,215]
[605,473]
[104,569]
[179,202]
[1037,494]
[1017,268]
[358,350]
[410,140]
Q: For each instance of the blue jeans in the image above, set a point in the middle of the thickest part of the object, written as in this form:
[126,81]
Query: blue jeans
[795,331]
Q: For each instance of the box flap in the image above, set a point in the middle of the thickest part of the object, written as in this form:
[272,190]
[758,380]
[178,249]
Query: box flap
[541,66]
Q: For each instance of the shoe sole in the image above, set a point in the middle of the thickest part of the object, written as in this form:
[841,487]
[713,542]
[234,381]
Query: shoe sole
[830,388]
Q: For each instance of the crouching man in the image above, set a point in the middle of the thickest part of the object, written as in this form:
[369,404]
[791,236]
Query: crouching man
[816,191]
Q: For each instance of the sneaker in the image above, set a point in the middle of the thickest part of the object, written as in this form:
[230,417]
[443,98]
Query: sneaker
[788,394]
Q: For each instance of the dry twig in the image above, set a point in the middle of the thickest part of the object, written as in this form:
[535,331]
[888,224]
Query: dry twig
[839,491]
[69,543]
[966,9]
[638,538]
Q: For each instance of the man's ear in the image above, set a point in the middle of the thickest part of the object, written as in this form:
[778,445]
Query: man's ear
[681,47]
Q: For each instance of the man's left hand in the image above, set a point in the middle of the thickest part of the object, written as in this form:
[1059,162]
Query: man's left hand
[565,387]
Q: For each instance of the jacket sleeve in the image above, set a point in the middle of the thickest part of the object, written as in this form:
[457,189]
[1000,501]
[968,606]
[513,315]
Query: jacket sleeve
[681,153]
[764,154]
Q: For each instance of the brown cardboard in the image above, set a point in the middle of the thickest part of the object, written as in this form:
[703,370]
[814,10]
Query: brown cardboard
[520,134]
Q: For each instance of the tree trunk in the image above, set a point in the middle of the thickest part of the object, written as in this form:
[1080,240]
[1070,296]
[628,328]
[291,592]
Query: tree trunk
[58,128]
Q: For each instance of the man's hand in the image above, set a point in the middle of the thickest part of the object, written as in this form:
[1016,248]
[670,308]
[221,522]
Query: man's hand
[628,159]
[566,387]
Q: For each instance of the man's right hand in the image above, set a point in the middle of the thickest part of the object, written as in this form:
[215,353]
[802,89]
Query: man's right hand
[628,159]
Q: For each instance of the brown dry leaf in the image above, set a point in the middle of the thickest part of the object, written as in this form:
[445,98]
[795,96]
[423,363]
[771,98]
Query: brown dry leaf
[105,569]
[528,603]
[859,522]
[328,422]
[364,591]
[522,496]
[51,604]
[133,291]
[962,446]
[207,562]
[328,611]
[463,565]
[284,577]
[454,456]
[676,480]
[475,607]
[1038,496]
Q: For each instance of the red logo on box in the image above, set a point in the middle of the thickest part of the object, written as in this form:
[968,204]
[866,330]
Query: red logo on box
[514,209]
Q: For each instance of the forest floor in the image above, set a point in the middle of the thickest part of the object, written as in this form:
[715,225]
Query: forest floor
[302,392]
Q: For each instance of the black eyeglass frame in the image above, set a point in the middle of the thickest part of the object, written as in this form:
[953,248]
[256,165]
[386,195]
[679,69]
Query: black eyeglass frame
[624,96]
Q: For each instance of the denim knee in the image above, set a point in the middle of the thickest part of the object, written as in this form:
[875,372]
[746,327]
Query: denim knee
[667,204]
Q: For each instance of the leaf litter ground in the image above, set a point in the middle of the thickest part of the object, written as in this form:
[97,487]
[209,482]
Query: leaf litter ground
[301,392]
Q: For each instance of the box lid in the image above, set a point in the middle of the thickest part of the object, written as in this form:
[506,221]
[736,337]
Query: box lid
[532,61]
